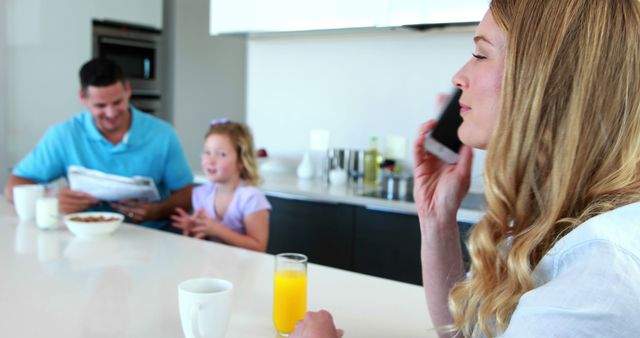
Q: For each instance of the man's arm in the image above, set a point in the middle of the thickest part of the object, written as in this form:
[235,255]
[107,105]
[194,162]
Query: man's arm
[12,182]
[179,199]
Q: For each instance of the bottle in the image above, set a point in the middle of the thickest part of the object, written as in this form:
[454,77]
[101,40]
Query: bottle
[372,160]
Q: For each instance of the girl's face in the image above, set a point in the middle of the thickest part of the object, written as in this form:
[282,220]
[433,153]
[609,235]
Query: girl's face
[220,159]
[480,80]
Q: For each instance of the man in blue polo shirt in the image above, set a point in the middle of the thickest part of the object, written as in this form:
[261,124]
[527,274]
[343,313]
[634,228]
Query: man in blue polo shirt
[113,137]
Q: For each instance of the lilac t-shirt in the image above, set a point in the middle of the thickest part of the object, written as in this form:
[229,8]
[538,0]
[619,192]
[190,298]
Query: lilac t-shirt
[245,201]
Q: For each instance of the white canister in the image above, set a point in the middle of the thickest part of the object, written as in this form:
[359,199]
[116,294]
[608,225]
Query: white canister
[402,187]
[47,212]
[338,176]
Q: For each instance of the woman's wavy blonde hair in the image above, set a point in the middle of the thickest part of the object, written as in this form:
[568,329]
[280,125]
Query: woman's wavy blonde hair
[568,146]
[240,136]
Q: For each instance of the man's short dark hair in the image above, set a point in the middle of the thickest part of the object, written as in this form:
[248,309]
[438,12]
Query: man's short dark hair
[100,72]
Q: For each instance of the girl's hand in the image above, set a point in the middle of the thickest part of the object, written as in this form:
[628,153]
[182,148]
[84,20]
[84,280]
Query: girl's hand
[203,225]
[316,325]
[182,220]
[439,187]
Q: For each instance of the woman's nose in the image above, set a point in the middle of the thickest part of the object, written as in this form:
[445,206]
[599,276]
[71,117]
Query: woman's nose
[459,79]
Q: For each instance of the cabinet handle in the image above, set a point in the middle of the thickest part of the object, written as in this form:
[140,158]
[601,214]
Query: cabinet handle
[128,42]
[299,197]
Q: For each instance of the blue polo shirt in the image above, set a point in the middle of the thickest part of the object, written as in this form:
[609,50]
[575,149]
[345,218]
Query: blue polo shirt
[151,148]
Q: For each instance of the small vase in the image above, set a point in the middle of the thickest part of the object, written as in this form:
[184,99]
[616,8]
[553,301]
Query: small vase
[305,168]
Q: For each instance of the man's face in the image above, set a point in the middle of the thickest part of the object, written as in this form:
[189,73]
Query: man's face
[109,106]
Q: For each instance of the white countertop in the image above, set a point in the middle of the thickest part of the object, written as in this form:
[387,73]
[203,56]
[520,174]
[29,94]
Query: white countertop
[125,285]
[291,187]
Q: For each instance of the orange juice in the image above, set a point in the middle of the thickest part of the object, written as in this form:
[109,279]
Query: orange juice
[289,299]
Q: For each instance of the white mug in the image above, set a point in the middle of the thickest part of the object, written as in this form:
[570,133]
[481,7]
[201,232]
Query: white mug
[24,200]
[205,305]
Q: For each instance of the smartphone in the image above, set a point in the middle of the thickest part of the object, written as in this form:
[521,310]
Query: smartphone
[443,140]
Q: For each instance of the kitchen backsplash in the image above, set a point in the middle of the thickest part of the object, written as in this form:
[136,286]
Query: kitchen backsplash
[355,85]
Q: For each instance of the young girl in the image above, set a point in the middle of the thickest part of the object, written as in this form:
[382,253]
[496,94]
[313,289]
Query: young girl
[230,208]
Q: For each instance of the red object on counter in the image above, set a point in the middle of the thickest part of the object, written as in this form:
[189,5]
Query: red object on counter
[261,152]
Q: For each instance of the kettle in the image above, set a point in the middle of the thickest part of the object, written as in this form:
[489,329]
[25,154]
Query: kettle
[355,165]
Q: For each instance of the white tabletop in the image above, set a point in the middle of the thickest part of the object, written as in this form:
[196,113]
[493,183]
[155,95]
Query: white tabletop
[125,285]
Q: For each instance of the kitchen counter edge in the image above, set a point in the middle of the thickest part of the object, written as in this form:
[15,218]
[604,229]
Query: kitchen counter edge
[313,190]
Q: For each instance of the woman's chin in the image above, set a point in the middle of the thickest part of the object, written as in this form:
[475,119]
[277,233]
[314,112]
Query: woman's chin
[472,140]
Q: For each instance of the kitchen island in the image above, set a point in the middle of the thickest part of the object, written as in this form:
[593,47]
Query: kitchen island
[125,285]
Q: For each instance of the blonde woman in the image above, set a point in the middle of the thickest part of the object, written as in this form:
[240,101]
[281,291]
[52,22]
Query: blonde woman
[553,93]
[229,208]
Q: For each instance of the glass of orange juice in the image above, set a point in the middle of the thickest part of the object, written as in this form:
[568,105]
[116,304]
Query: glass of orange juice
[289,291]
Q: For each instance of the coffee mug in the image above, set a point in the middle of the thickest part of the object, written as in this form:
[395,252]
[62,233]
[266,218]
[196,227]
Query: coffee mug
[205,305]
[24,200]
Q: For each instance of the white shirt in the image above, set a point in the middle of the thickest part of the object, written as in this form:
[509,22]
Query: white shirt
[588,284]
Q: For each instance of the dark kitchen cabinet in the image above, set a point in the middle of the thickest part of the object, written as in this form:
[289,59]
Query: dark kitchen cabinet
[387,244]
[322,231]
[464,235]
[378,242]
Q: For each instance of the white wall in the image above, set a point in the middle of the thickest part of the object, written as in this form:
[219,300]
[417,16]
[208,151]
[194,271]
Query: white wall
[47,42]
[3,98]
[141,12]
[355,85]
[207,75]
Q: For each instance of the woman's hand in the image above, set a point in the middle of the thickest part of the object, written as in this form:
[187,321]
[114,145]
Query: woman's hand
[316,325]
[438,190]
[182,220]
[439,187]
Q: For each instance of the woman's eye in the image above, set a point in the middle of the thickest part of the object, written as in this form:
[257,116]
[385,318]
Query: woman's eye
[478,56]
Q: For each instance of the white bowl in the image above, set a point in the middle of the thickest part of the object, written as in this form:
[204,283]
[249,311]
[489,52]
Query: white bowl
[93,229]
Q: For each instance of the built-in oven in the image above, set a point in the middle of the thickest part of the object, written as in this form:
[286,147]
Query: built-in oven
[137,49]
[151,104]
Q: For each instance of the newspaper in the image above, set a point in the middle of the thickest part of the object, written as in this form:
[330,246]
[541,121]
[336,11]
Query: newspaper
[110,187]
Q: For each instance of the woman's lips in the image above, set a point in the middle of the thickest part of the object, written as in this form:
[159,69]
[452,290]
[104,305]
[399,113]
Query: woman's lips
[464,109]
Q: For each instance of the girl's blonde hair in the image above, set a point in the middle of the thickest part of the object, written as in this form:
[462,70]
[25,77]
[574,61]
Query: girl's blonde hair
[240,136]
[566,146]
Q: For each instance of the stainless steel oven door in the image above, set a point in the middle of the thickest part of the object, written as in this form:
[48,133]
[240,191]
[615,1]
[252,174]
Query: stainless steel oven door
[148,104]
